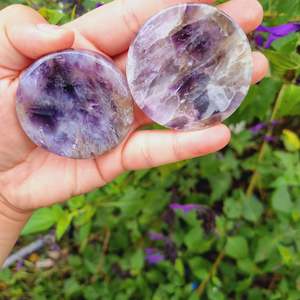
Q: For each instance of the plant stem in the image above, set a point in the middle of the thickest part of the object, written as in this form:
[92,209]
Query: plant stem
[249,192]
[212,272]
[107,235]
[263,148]
[273,15]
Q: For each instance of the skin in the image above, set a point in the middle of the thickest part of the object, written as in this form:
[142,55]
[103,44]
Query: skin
[30,177]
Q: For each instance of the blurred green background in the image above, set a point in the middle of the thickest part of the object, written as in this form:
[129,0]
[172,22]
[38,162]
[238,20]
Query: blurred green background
[132,240]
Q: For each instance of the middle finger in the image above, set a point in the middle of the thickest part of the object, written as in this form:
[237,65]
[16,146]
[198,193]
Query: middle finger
[112,27]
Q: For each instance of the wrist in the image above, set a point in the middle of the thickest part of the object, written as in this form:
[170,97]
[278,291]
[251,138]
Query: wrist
[12,220]
[12,213]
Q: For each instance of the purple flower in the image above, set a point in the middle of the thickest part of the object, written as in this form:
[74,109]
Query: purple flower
[19,265]
[204,213]
[277,32]
[186,208]
[275,122]
[258,127]
[269,139]
[98,4]
[155,236]
[153,256]
[55,247]
[259,40]
[150,251]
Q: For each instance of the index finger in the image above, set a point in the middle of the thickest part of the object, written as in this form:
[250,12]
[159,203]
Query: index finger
[113,26]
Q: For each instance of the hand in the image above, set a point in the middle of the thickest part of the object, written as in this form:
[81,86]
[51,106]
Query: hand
[30,177]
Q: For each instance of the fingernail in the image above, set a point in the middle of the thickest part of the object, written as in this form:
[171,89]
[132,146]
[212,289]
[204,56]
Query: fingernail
[49,28]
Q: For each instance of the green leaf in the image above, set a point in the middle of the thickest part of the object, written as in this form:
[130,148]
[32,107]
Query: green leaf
[214,293]
[57,210]
[71,287]
[83,235]
[287,44]
[52,15]
[241,141]
[85,216]
[199,266]
[281,200]
[291,140]
[194,239]
[252,209]
[289,101]
[258,101]
[247,266]
[179,267]
[63,224]
[76,202]
[42,220]
[6,276]
[137,262]
[237,247]
[92,292]
[283,61]
[233,208]
[220,183]
[265,246]
[287,254]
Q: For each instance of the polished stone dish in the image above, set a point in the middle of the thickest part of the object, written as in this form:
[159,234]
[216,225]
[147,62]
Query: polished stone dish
[75,104]
[189,67]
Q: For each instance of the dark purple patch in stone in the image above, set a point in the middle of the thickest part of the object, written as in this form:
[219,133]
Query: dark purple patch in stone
[45,116]
[75,104]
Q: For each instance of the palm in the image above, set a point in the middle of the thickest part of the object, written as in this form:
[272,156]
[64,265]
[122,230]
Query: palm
[31,177]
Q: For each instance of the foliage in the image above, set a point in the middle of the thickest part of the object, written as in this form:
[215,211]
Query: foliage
[242,242]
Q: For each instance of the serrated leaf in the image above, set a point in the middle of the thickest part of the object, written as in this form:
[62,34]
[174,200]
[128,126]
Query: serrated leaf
[179,267]
[76,202]
[287,44]
[258,101]
[237,247]
[137,262]
[247,266]
[71,287]
[194,238]
[281,200]
[265,246]
[252,209]
[63,224]
[199,266]
[289,101]
[287,254]
[287,62]
[52,15]
[42,220]
[232,208]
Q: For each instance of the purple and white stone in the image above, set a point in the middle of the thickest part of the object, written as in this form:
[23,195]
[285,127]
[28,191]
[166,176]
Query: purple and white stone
[189,67]
[75,104]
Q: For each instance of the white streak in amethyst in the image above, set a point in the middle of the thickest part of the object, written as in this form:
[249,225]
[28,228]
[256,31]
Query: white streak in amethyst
[189,67]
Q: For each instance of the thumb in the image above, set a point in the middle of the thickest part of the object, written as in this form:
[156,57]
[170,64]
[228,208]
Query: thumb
[36,40]
[28,36]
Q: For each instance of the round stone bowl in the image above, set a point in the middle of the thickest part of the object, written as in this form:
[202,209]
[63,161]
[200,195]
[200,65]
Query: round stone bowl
[189,67]
[75,104]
